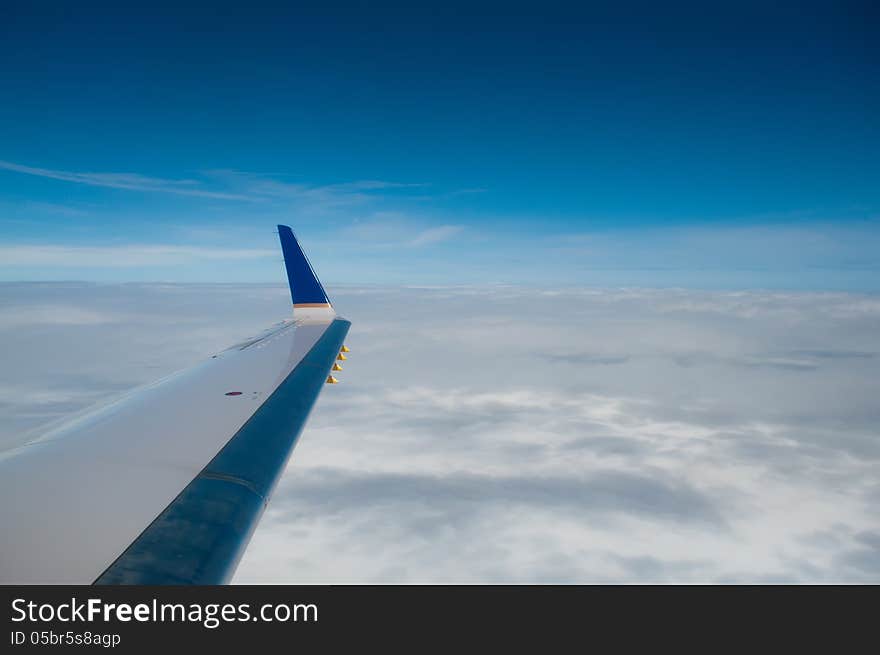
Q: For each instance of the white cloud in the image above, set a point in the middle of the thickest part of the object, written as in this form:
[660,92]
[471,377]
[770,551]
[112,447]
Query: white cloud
[512,435]
[51,314]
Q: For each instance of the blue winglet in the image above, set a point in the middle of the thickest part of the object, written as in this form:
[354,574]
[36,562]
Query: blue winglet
[305,289]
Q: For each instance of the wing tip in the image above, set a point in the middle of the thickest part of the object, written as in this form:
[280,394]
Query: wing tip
[306,290]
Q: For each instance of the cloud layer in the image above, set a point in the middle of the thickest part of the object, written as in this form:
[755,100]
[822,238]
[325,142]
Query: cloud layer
[511,435]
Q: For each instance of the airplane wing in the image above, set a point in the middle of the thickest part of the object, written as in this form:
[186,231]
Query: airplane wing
[166,484]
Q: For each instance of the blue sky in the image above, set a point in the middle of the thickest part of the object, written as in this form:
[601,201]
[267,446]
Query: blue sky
[450,144]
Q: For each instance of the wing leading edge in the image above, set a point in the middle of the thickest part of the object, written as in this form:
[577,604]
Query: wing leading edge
[186,465]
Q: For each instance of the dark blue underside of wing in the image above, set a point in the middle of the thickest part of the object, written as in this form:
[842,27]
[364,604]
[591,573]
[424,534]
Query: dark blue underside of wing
[201,535]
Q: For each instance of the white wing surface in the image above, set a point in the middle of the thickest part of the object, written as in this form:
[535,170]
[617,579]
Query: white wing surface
[166,484]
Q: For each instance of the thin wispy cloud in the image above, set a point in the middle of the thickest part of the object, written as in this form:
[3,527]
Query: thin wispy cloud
[322,197]
[436,235]
[233,185]
[815,245]
[391,229]
[129,181]
[54,208]
[122,256]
